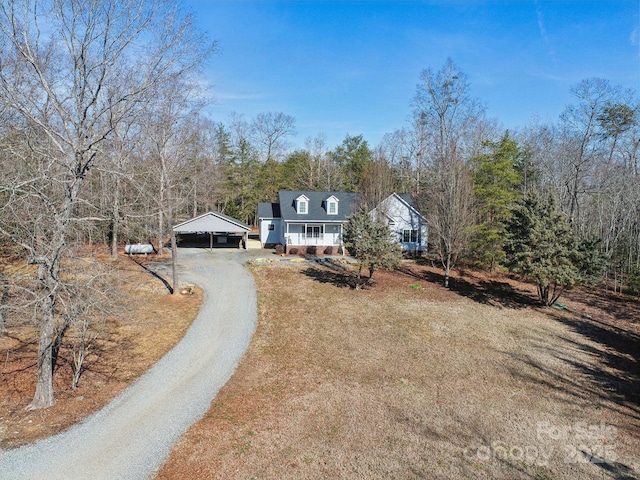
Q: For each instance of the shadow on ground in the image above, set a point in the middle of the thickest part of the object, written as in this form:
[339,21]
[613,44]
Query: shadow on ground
[154,274]
[619,371]
[479,290]
[613,325]
[336,274]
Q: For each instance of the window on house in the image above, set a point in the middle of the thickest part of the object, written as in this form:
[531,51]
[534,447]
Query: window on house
[302,206]
[315,231]
[331,205]
[272,227]
[410,236]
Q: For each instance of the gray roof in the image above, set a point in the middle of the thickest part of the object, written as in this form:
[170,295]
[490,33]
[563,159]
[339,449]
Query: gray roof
[268,210]
[406,197]
[286,207]
[212,222]
[317,207]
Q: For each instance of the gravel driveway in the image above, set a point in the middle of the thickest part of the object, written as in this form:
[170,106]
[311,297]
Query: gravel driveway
[132,436]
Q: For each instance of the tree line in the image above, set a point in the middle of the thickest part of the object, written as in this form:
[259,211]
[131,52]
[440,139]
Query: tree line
[104,140]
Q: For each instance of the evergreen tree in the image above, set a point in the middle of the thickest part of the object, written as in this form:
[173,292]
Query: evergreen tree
[371,242]
[529,171]
[591,260]
[241,170]
[298,171]
[353,155]
[495,180]
[542,248]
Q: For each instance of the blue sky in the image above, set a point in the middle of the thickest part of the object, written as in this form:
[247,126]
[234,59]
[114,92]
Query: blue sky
[351,67]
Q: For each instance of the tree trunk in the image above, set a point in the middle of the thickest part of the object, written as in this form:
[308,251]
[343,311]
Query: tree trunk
[3,299]
[160,228]
[43,397]
[447,270]
[557,292]
[174,262]
[161,199]
[543,295]
[79,354]
[116,221]
[78,360]
[195,199]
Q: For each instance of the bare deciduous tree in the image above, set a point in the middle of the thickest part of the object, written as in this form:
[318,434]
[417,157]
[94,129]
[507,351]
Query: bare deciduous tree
[168,130]
[582,144]
[72,71]
[269,131]
[450,213]
[449,119]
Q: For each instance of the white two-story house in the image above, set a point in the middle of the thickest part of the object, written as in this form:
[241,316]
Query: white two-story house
[303,219]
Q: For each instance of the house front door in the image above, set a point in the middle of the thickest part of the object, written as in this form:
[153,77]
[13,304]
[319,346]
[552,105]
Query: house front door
[314,231]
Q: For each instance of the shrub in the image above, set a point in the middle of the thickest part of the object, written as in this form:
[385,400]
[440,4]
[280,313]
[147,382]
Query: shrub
[312,250]
[280,249]
[293,251]
[328,250]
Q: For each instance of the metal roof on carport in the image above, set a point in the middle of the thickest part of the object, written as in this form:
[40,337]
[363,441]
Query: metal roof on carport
[212,222]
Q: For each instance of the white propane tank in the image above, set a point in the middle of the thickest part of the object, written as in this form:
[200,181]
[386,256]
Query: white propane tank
[138,248]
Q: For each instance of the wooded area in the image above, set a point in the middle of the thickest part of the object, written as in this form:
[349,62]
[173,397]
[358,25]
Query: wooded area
[104,141]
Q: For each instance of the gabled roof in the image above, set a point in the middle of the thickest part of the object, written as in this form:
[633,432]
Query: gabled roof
[406,197]
[317,209]
[403,199]
[268,210]
[211,222]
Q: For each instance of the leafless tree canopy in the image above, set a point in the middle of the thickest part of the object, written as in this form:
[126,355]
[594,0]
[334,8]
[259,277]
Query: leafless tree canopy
[104,140]
[72,74]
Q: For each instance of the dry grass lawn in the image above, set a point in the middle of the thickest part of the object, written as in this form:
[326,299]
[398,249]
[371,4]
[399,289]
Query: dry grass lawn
[146,324]
[409,380]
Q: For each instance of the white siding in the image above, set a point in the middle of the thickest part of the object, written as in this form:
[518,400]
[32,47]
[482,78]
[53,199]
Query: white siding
[401,217]
[273,236]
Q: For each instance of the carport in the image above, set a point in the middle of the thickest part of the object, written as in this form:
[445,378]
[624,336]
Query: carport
[223,231]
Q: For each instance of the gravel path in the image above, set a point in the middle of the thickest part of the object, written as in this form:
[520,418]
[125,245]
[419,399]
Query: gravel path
[132,436]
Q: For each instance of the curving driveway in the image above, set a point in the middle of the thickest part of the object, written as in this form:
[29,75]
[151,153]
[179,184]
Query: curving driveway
[132,436]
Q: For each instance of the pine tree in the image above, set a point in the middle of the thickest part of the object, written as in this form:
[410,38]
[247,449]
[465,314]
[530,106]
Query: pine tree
[352,155]
[541,247]
[495,181]
[371,242]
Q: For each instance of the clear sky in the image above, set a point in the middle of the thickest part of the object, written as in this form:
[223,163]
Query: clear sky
[351,67]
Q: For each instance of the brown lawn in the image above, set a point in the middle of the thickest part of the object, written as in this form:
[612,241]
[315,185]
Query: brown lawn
[410,380]
[403,380]
[147,323]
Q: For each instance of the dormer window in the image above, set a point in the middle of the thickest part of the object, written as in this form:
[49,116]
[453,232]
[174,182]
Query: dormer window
[302,205]
[331,204]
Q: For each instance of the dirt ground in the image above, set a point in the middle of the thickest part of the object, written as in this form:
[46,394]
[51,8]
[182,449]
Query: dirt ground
[403,380]
[134,338]
[411,380]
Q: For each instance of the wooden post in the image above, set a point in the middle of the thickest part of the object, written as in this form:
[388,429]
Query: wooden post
[174,262]
[211,242]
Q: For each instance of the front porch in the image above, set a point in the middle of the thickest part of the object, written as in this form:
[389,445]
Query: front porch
[313,234]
